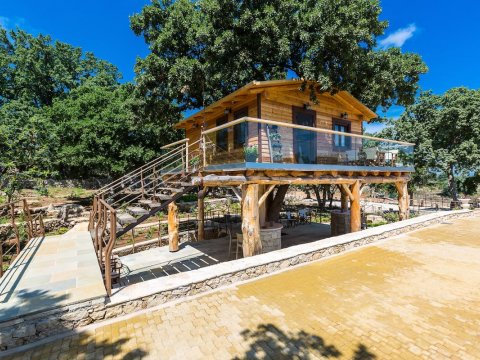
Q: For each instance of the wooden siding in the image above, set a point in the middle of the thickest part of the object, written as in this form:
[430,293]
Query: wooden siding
[277,106]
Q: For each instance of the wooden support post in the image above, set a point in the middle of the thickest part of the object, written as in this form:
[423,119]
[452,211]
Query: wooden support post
[201,214]
[403,201]
[343,200]
[250,221]
[355,216]
[173,224]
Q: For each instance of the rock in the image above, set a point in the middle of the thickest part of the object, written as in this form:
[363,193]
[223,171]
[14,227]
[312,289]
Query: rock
[24,331]
[75,315]
[47,324]
[98,315]
[113,312]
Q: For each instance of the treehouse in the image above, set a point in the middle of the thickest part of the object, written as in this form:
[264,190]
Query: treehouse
[257,141]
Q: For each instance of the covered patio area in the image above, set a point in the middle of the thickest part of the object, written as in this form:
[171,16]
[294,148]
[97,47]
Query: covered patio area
[160,262]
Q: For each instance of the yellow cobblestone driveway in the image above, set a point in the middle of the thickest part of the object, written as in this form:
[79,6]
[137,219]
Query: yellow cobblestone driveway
[413,296]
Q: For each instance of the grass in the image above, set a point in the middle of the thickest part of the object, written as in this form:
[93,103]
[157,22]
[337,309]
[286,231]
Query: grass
[68,192]
[377,223]
[60,231]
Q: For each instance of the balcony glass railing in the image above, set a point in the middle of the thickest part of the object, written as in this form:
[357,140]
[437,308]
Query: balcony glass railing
[251,141]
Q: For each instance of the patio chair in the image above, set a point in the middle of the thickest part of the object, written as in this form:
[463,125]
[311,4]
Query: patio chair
[371,155]
[304,216]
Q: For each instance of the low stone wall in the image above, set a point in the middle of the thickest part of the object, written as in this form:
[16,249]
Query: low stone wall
[32,327]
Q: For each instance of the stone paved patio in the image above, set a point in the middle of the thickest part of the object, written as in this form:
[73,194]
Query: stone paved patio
[412,296]
[51,271]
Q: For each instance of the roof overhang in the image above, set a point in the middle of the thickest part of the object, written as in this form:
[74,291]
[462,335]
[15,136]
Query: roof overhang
[256,87]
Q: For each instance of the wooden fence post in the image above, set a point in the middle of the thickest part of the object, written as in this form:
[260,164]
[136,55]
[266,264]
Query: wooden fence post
[173,225]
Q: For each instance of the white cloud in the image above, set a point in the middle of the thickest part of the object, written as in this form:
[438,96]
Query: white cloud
[399,37]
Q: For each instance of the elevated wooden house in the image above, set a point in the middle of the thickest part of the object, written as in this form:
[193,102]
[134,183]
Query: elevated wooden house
[258,140]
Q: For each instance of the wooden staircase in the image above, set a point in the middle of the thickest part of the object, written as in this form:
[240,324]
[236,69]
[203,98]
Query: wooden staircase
[137,196]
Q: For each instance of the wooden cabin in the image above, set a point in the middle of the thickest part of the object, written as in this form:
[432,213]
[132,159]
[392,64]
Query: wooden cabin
[257,141]
[270,134]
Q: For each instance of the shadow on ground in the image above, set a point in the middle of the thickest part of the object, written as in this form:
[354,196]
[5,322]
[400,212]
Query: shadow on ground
[269,342]
[71,346]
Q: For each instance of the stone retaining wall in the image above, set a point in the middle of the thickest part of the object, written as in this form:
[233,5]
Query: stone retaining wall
[32,327]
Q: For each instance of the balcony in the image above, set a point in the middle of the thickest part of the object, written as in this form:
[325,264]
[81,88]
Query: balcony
[258,144]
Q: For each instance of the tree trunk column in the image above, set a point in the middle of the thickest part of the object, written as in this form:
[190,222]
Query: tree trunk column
[343,200]
[252,244]
[355,216]
[201,214]
[173,224]
[403,201]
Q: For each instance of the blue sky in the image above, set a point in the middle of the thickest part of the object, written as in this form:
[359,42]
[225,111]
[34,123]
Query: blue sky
[444,33]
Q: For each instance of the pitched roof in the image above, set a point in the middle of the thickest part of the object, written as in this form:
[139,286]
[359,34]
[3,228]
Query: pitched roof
[342,96]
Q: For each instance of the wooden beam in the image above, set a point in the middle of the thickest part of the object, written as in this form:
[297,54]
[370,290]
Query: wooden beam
[237,192]
[347,192]
[173,224]
[265,194]
[355,212]
[226,180]
[252,244]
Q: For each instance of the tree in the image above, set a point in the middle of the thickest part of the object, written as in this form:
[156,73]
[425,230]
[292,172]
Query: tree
[203,50]
[446,131]
[64,113]
[37,71]
[100,134]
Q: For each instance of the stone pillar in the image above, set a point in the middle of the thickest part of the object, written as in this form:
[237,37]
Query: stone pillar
[250,221]
[355,215]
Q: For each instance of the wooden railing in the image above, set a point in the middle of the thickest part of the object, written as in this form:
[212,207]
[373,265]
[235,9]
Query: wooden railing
[33,225]
[103,225]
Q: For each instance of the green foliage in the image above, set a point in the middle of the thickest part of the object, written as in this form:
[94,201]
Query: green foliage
[446,131]
[189,197]
[250,152]
[203,50]
[77,193]
[391,217]
[63,113]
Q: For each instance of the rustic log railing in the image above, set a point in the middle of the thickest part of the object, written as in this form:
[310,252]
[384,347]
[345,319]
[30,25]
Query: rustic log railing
[33,225]
[143,183]
[104,237]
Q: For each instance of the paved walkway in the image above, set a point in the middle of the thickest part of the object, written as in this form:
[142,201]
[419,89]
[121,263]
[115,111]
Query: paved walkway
[51,271]
[413,296]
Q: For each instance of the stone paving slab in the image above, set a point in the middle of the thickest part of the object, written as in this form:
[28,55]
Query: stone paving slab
[51,271]
[414,296]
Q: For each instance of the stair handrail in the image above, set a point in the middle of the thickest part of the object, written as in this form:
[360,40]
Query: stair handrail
[161,183]
[137,170]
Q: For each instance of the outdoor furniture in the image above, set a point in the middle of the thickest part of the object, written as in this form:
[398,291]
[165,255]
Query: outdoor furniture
[304,216]
[371,155]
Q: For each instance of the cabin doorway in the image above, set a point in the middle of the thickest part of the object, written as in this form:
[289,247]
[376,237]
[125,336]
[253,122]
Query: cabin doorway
[304,141]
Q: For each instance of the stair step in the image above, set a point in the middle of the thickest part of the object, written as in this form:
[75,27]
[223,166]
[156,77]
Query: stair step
[125,219]
[149,204]
[173,190]
[137,211]
[119,226]
[163,197]
[180,183]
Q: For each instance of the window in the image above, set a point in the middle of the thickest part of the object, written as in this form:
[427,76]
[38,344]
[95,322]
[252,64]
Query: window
[222,135]
[341,141]
[240,131]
